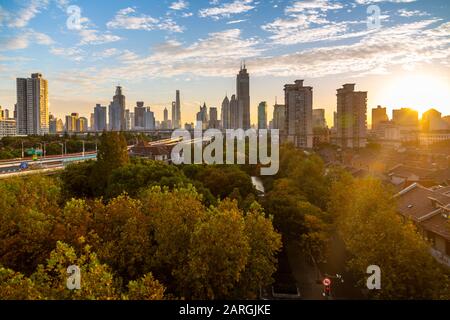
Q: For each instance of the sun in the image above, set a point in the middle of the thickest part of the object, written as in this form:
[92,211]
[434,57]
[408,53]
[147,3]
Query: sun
[420,92]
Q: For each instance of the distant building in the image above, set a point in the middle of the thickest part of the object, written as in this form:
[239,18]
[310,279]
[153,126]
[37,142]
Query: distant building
[279,117]
[165,123]
[177,120]
[378,115]
[32,105]
[214,122]
[202,116]
[82,124]
[351,117]
[92,122]
[243,98]
[52,124]
[99,118]
[117,121]
[234,113]
[298,99]
[128,120]
[7,127]
[71,122]
[432,121]
[139,112]
[406,117]
[262,115]
[149,119]
[225,116]
[319,120]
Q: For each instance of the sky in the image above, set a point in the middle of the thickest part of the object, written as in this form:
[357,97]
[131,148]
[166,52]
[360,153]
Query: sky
[397,50]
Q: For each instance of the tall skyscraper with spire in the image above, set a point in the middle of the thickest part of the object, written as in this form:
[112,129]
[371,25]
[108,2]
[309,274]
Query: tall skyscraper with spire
[243,97]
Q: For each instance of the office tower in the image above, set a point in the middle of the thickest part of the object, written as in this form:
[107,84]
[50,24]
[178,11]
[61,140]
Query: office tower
[214,122]
[262,115]
[6,114]
[405,117]
[177,120]
[32,105]
[299,100]
[174,115]
[82,124]
[117,120]
[319,120]
[351,117]
[378,115]
[99,118]
[202,116]
[225,113]
[279,118]
[149,119]
[139,112]
[243,98]
[234,113]
[92,122]
[59,126]
[132,118]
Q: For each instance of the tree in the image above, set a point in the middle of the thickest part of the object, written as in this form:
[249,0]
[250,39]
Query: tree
[146,288]
[374,233]
[28,209]
[16,286]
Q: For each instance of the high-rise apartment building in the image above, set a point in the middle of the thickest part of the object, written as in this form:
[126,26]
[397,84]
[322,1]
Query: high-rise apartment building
[243,98]
[71,122]
[299,100]
[262,115]
[32,105]
[379,115]
[351,117]
[139,112]
[82,124]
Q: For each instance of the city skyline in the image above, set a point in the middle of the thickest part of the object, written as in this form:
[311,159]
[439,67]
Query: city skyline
[197,47]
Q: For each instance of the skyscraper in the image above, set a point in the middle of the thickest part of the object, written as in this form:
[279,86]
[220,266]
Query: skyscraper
[378,115]
[243,98]
[149,119]
[32,105]
[139,112]
[262,115]
[82,124]
[299,101]
[225,113]
[234,113]
[178,110]
[99,118]
[165,124]
[174,115]
[351,117]
[117,120]
[71,122]
[202,116]
[279,118]
[213,120]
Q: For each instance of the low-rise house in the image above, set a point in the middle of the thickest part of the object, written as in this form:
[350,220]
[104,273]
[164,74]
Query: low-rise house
[429,209]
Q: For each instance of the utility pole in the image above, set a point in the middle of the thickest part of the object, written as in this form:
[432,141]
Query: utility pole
[22,150]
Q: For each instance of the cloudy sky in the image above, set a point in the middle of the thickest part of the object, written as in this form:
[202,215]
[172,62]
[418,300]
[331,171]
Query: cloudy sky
[401,56]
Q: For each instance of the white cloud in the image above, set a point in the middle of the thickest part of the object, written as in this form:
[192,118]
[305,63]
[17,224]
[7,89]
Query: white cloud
[411,13]
[23,16]
[74,53]
[179,5]
[91,36]
[107,53]
[24,39]
[128,19]
[187,14]
[227,9]
[236,21]
[323,5]
[375,1]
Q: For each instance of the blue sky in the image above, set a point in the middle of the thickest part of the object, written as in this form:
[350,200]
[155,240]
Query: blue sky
[154,47]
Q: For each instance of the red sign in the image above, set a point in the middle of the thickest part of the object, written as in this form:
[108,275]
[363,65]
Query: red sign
[326,282]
